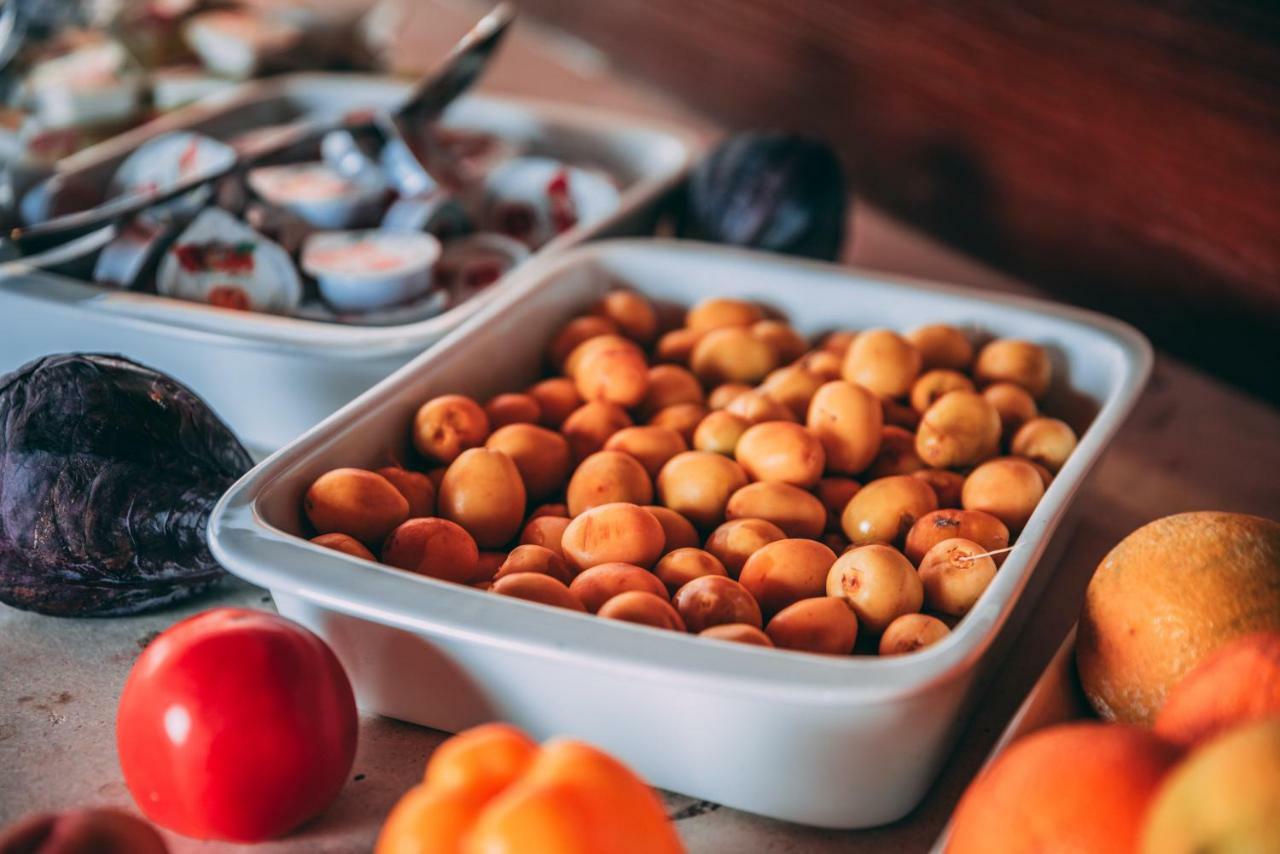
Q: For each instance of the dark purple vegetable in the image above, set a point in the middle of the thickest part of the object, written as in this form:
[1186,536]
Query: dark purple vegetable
[768,190]
[108,471]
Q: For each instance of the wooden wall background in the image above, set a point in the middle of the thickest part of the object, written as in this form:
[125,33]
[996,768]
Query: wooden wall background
[1123,153]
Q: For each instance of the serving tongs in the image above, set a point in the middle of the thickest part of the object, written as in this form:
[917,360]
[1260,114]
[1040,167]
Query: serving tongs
[463,66]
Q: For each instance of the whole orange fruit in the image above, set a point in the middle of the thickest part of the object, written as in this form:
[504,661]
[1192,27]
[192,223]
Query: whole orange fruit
[1170,594]
[1074,787]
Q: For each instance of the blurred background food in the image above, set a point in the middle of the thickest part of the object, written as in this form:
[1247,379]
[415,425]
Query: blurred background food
[76,73]
[1124,154]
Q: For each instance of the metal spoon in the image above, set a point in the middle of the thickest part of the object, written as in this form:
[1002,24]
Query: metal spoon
[460,69]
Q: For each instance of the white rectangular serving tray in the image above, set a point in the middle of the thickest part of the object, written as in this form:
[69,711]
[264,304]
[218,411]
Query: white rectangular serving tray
[836,742]
[273,377]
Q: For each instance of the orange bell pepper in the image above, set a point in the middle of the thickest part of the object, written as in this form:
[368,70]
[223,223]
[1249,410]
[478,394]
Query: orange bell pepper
[491,790]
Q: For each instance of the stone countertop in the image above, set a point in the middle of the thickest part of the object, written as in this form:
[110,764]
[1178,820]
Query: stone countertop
[1190,444]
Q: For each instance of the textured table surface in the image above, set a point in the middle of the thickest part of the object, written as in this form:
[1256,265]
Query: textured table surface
[1191,444]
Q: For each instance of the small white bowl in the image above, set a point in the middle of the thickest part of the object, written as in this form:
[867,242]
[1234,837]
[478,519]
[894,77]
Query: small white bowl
[364,270]
[527,197]
[95,84]
[222,261]
[165,160]
[135,248]
[318,194]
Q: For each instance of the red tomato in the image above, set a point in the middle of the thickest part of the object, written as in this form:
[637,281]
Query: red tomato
[236,725]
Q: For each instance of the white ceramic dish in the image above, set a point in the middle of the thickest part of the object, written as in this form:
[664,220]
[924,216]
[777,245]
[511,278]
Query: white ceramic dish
[199,266]
[333,202]
[833,742]
[272,377]
[340,262]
